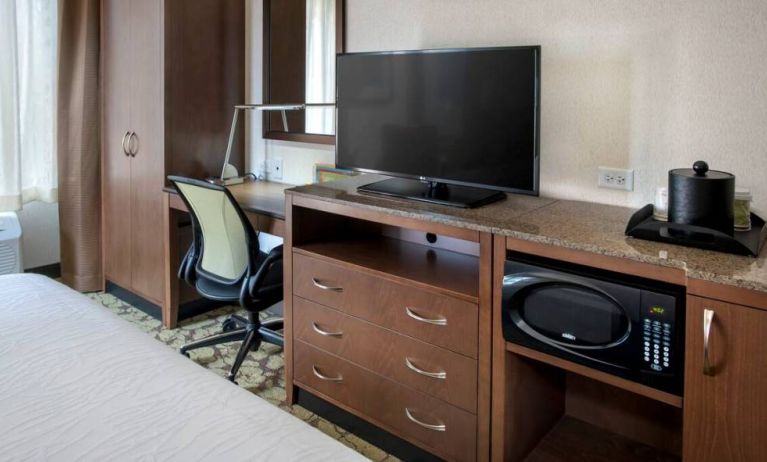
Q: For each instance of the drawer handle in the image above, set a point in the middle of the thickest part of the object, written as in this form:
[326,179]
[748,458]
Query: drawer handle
[322,286]
[708,318]
[324,332]
[440,427]
[442,375]
[435,321]
[320,375]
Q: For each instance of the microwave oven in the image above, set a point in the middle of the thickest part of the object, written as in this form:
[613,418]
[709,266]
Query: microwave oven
[623,325]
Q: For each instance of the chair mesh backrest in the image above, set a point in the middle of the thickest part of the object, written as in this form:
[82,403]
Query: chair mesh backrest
[224,242]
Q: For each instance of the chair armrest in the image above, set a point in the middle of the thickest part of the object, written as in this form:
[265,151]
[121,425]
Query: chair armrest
[274,256]
[186,270]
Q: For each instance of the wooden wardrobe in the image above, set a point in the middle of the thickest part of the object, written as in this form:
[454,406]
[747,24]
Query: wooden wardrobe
[171,72]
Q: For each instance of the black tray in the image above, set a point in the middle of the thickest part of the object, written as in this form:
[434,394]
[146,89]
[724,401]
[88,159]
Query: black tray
[642,225]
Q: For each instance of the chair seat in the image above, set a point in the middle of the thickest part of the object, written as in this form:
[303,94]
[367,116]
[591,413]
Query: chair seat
[217,291]
[213,290]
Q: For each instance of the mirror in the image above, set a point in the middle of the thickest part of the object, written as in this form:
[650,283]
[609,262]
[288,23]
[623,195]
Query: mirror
[301,39]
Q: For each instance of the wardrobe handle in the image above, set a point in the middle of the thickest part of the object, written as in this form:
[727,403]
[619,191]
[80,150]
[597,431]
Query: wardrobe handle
[320,375]
[440,321]
[125,149]
[440,427]
[442,375]
[324,332]
[133,152]
[708,319]
[322,286]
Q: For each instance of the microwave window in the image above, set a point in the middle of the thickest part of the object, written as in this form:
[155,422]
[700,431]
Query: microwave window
[574,316]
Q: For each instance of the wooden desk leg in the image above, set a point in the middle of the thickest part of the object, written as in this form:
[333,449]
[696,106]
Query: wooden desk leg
[287,302]
[485,346]
[500,441]
[170,261]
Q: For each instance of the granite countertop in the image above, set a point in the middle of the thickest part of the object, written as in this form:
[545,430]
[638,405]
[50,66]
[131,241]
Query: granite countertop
[575,225]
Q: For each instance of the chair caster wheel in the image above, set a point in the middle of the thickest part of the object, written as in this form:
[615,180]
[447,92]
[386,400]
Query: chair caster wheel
[229,325]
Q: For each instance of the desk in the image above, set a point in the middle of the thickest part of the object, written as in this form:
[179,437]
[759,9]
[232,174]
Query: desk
[264,205]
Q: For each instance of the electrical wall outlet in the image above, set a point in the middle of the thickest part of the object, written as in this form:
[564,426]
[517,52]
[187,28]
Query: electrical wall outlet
[274,168]
[616,178]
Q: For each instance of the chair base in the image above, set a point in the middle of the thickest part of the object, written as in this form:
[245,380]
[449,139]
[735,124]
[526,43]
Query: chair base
[250,331]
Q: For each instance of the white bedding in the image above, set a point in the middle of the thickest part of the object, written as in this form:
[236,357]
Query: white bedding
[79,383]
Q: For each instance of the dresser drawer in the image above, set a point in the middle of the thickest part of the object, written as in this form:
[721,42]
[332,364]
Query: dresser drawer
[445,430]
[431,369]
[436,319]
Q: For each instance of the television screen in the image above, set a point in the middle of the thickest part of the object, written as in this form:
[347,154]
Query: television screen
[466,116]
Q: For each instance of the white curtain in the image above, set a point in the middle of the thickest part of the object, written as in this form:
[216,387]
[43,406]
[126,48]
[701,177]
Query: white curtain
[320,65]
[28,39]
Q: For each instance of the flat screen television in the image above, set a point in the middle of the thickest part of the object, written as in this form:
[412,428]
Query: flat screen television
[453,126]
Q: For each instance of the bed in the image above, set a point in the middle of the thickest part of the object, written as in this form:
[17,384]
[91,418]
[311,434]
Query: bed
[79,383]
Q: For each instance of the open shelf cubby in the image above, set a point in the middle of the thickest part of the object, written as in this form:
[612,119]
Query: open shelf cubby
[558,413]
[572,439]
[369,247]
[609,379]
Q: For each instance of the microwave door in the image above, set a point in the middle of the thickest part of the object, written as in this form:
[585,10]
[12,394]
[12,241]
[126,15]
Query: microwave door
[565,312]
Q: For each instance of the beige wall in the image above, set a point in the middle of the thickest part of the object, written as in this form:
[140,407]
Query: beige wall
[648,85]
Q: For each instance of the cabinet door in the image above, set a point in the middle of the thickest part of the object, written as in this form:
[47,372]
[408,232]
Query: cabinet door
[148,164]
[116,106]
[725,409]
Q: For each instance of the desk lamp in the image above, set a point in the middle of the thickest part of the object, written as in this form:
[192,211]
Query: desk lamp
[229,174]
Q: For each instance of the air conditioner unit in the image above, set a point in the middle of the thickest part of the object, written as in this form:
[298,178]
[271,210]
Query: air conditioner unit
[10,244]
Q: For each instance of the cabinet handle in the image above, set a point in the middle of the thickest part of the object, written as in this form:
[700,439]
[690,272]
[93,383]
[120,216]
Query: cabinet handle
[125,137]
[320,375]
[708,319]
[440,321]
[133,152]
[322,286]
[324,332]
[440,427]
[442,375]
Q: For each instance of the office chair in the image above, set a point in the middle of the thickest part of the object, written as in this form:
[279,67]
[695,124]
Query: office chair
[224,263]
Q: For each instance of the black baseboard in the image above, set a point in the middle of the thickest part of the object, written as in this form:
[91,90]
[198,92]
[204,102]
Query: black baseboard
[53,271]
[386,441]
[185,310]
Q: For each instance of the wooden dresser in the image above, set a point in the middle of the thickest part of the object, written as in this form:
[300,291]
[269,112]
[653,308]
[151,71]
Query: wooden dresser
[390,330]
[409,337]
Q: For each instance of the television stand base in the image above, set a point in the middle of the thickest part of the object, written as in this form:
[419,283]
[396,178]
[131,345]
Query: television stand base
[434,192]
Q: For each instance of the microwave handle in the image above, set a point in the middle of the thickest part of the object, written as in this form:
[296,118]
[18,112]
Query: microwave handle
[514,283]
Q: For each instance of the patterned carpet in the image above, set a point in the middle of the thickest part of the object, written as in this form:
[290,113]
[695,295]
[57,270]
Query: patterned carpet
[261,373]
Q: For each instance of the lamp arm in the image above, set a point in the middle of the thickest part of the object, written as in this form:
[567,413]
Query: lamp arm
[231,141]
[259,107]
[284,121]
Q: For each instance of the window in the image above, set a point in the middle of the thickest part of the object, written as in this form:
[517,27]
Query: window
[28,50]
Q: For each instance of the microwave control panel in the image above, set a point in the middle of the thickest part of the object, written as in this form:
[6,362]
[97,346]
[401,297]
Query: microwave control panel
[658,331]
